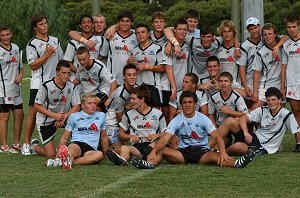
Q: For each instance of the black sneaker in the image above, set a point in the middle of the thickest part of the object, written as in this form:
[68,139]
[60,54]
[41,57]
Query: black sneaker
[245,159]
[115,158]
[297,148]
[142,164]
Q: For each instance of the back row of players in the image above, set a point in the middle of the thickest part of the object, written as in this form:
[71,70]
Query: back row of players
[162,66]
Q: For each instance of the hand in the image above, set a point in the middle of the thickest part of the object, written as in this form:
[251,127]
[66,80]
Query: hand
[19,79]
[215,83]
[223,157]
[131,60]
[248,138]
[152,158]
[179,112]
[50,49]
[205,86]
[152,137]
[141,66]
[177,51]
[59,117]
[134,139]
[168,49]
[237,53]
[90,43]
[110,32]
[248,90]
[174,142]
[226,109]
[275,52]
[173,95]
[58,124]
[283,92]
[107,102]
[255,96]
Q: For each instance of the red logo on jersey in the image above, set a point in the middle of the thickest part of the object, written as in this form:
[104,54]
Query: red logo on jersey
[277,59]
[298,51]
[230,59]
[9,98]
[289,93]
[183,56]
[146,60]
[13,59]
[63,99]
[93,49]
[195,136]
[90,80]
[148,125]
[93,127]
[125,48]
[206,53]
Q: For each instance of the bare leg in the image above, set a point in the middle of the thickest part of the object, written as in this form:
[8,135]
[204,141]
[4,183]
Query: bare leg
[117,147]
[238,148]
[29,125]
[18,121]
[173,156]
[47,150]
[259,103]
[127,151]
[4,117]
[212,158]
[165,111]
[295,106]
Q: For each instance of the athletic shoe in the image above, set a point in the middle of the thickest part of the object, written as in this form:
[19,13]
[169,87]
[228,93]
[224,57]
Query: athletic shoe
[13,150]
[34,142]
[245,159]
[297,148]
[65,157]
[53,162]
[4,149]
[142,164]
[115,158]
[26,149]
[17,147]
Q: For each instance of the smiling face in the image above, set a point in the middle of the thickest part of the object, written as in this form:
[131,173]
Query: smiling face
[192,24]
[84,59]
[213,68]
[274,103]
[142,34]
[269,36]
[206,40]
[125,24]
[130,77]
[188,106]
[5,37]
[99,24]
[86,25]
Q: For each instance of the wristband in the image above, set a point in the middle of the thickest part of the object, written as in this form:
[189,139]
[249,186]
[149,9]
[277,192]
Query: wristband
[176,43]
[236,48]
[83,40]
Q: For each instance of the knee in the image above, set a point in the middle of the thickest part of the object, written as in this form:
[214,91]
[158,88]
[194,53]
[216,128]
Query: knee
[4,117]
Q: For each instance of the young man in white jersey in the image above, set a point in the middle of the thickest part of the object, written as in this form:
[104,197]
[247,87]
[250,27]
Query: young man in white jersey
[86,129]
[11,75]
[94,76]
[120,102]
[145,125]
[192,18]
[193,129]
[266,68]
[148,59]
[290,71]
[43,53]
[159,21]
[55,101]
[121,45]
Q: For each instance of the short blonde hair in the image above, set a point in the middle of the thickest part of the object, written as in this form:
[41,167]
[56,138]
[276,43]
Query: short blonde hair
[86,96]
[229,24]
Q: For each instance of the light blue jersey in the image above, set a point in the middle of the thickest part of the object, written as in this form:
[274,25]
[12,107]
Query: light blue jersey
[191,131]
[86,128]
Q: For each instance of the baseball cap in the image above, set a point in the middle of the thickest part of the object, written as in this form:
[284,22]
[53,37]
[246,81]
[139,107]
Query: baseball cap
[252,21]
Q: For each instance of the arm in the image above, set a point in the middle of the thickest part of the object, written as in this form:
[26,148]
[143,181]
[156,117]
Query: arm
[241,91]
[237,51]
[283,79]
[109,34]
[204,109]
[19,78]
[78,37]
[221,145]
[243,124]
[172,112]
[242,71]
[40,61]
[154,68]
[124,137]
[113,87]
[213,119]
[41,109]
[170,75]
[227,110]
[104,141]
[255,85]
[282,40]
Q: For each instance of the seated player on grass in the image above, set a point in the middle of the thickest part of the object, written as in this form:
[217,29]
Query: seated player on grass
[192,129]
[144,124]
[86,128]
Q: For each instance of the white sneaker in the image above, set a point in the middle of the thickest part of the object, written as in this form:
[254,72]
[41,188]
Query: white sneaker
[34,142]
[53,162]
[26,149]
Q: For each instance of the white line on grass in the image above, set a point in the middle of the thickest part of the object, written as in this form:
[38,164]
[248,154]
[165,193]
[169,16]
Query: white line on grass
[121,182]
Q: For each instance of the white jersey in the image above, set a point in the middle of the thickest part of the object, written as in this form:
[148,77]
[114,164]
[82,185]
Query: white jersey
[195,33]
[217,101]
[151,55]
[55,99]
[10,64]
[272,127]
[269,67]
[120,48]
[199,54]
[201,96]
[143,125]
[291,57]
[228,61]
[36,49]
[96,79]
[248,51]
[120,97]
[179,66]
[161,41]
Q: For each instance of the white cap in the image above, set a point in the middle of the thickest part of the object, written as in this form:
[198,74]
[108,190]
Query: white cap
[252,21]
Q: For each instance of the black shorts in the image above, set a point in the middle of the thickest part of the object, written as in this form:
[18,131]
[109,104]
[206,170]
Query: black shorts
[33,93]
[155,99]
[141,146]
[47,133]
[4,108]
[193,154]
[166,98]
[84,147]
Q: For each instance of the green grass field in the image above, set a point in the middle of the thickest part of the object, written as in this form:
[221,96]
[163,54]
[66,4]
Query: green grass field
[267,176]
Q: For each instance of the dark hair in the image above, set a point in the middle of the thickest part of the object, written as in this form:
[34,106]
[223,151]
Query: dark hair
[180,21]
[291,18]
[142,25]
[187,94]
[125,13]
[129,66]
[194,77]
[37,17]
[206,30]
[5,27]
[62,63]
[211,59]
[192,14]
[226,74]
[82,50]
[142,92]
[159,15]
[86,16]
[273,91]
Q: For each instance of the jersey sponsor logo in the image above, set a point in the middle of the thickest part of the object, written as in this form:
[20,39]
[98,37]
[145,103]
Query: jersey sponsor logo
[151,52]
[154,117]
[294,52]
[92,49]
[79,119]
[135,118]
[146,60]
[53,92]
[13,59]
[64,99]
[144,126]
[93,127]
[266,55]
[195,136]
[68,90]
[41,45]
[182,125]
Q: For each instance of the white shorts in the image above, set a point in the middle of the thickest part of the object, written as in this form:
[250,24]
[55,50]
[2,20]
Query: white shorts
[112,134]
[293,92]
[11,100]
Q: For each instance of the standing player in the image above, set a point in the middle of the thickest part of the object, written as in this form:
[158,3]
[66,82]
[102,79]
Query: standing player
[121,45]
[192,18]
[145,125]
[11,76]
[266,68]
[99,25]
[148,59]
[159,23]
[290,71]
[54,102]
[120,102]
[43,53]
[87,129]
[193,129]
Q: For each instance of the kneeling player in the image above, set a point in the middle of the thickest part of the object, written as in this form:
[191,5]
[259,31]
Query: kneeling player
[192,128]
